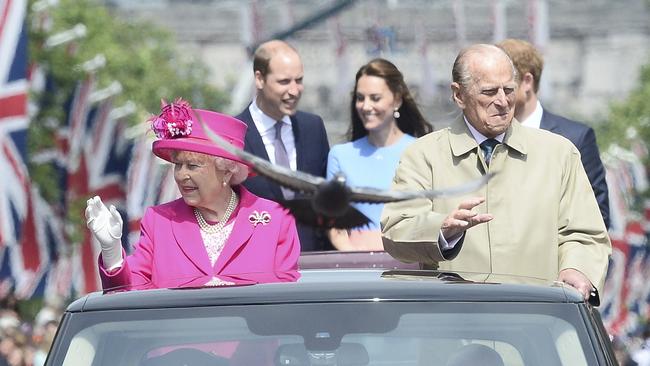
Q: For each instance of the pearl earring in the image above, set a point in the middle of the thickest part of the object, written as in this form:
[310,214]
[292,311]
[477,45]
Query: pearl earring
[224,183]
[396,113]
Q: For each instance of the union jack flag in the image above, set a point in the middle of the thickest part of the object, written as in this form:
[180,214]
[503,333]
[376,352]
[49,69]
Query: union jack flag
[97,159]
[150,182]
[626,300]
[15,261]
[42,245]
[30,236]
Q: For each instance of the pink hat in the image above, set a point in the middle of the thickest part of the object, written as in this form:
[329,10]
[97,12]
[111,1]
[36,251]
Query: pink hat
[179,128]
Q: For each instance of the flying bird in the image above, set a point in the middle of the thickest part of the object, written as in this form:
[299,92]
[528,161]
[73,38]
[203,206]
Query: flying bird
[326,203]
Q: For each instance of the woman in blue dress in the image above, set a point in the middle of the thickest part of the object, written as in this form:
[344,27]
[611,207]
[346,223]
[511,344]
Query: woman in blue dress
[384,121]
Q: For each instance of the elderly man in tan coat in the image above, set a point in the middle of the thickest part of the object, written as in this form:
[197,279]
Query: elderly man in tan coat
[537,217]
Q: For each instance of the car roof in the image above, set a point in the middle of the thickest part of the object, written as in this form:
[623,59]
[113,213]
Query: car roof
[342,285]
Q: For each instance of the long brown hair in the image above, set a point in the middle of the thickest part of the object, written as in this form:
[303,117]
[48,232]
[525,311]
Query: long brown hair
[410,121]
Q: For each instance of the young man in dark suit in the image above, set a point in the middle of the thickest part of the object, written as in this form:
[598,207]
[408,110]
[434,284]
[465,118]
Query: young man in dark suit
[529,64]
[280,133]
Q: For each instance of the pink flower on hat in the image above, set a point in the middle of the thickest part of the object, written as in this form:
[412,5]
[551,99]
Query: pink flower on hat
[174,120]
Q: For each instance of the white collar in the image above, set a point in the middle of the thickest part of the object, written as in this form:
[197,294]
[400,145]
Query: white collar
[535,118]
[479,137]
[263,122]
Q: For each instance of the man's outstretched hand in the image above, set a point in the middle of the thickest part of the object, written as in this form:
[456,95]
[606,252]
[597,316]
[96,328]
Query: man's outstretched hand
[464,217]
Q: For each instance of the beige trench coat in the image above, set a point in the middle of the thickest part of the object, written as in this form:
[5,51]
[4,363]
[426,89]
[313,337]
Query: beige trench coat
[546,217]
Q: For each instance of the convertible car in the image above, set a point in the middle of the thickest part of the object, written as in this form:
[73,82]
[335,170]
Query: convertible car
[345,316]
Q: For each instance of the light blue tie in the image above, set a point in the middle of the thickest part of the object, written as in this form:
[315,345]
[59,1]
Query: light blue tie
[488,147]
[281,156]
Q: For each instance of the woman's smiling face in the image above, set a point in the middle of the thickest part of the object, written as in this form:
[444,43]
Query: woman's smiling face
[375,103]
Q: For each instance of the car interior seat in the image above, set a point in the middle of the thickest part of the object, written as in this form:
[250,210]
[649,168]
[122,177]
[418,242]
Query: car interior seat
[475,355]
[348,354]
[186,357]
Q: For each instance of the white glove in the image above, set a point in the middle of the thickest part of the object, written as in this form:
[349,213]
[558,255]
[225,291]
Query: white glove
[106,226]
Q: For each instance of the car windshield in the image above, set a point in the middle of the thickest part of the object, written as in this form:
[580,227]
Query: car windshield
[343,333]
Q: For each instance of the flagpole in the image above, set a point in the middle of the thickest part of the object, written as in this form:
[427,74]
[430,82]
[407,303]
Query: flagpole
[67,36]
[499,21]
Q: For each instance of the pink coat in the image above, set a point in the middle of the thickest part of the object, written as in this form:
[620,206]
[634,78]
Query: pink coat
[171,248]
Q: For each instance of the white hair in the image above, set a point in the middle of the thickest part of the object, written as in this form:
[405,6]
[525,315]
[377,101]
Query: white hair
[461,73]
[239,171]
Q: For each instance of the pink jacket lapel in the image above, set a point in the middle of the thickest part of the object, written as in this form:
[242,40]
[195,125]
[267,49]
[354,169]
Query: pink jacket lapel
[188,237]
[241,232]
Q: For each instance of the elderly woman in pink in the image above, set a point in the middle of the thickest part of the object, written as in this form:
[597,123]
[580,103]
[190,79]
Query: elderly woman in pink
[216,229]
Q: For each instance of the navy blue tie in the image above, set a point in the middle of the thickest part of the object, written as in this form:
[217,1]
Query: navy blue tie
[488,147]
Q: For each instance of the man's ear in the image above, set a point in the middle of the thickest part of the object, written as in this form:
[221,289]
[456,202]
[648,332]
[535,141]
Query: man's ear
[259,80]
[527,83]
[457,95]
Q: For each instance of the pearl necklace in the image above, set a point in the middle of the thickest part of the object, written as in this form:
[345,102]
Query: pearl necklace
[212,229]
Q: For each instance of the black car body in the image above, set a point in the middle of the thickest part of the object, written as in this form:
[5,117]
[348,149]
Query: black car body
[337,317]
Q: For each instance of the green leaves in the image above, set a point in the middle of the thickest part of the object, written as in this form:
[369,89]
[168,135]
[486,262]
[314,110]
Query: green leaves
[142,57]
[632,114]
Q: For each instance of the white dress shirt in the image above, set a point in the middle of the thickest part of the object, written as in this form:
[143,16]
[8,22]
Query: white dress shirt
[266,127]
[479,137]
[535,118]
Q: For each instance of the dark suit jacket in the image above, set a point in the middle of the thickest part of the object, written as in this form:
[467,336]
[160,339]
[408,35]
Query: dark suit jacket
[584,138]
[311,157]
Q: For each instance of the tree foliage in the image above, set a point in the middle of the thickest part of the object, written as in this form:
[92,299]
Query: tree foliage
[630,117]
[629,123]
[141,56]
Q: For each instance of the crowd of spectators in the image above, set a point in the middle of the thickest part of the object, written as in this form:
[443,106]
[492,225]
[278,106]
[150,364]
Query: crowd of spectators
[633,350]
[24,341]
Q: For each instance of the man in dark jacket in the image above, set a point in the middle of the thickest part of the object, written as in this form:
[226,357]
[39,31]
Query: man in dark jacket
[278,132]
[528,110]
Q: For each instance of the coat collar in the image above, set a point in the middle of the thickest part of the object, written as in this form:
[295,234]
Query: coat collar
[462,141]
[548,122]
[188,234]
[253,138]
[299,143]
[516,138]
[255,145]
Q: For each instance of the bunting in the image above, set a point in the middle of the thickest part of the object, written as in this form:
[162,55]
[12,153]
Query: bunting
[626,295]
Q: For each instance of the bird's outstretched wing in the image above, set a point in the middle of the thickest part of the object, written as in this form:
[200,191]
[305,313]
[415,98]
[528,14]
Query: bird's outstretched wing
[371,195]
[295,180]
[303,210]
